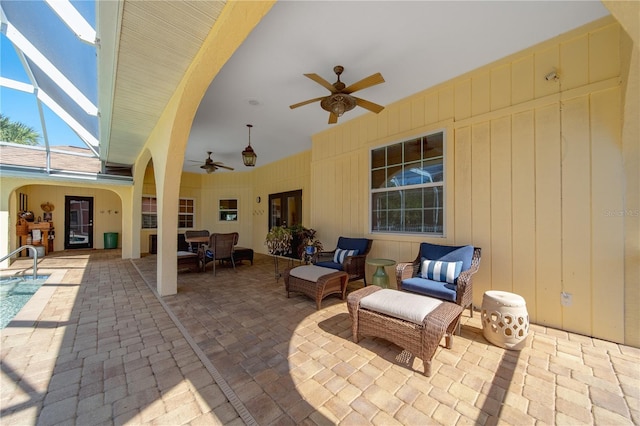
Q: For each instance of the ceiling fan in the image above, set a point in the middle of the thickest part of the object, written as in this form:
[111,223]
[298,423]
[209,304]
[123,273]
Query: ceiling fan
[210,166]
[340,99]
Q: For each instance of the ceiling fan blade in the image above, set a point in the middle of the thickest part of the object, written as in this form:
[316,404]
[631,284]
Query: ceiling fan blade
[333,119]
[306,102]
[322,82]
[220,165]
[372,80]
[369,105]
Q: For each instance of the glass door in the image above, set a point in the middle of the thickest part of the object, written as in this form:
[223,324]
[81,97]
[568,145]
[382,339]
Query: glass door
[285,209]
[78,222]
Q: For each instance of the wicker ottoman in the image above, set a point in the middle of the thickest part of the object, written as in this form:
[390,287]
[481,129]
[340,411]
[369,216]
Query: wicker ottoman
[242,253]
[413,322]
[316,282]
[505,320]
[187,260]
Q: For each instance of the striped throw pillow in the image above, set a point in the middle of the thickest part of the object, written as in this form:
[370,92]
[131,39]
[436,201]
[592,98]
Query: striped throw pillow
[340,255]
[441,271]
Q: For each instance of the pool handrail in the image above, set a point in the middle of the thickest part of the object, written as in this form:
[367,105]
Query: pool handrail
[35,257]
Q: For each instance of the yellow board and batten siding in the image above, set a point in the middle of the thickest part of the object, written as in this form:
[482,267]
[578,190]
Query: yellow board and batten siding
[576,222]
[289,174]
[533,174]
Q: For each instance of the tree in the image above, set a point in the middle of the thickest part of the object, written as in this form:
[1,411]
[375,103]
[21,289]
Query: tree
[16,132]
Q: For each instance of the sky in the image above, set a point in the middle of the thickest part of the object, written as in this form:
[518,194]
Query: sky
[22,107]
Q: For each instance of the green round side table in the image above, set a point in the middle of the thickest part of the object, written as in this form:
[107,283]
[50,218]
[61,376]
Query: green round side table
[380,277]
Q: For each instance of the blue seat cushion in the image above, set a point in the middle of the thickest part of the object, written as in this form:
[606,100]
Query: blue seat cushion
[448,253]
[359,244]
[332,265]
[437,289]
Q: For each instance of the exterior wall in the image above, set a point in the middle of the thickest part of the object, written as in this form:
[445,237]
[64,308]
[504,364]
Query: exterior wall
[208,189]
[107,210]
[534,176]
[190,187]
[289,174]
[106,197]
[631,159]
[235,185]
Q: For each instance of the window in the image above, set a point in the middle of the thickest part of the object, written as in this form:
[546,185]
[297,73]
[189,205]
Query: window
[149,213]
[186,213]
[407,186]
[229,210]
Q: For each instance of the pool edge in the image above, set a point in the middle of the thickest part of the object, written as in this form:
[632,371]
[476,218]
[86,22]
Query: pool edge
[26,318]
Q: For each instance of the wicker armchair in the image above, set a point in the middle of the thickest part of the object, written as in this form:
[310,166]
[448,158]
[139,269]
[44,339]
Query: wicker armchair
[354,265]
[220,248]
[409,278]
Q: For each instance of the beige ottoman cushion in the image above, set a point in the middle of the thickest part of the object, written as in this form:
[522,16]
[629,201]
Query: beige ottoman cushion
[402,305]
[310,272]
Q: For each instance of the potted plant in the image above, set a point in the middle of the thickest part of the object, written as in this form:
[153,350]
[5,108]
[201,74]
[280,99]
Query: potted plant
[278,241]
[303,238]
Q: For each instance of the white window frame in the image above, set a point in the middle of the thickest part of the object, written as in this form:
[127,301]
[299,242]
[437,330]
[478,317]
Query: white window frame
[149,213]
[441,205]
[222,210]
[155,213]
[187,214]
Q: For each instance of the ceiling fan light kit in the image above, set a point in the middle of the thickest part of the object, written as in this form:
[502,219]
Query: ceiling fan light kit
[340,99]
[248,155]
[338,104]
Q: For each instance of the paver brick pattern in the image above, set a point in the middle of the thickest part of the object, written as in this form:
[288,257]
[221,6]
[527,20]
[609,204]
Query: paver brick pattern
[105,351]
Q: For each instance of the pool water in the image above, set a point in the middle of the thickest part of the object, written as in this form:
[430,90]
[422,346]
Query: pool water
[15,292]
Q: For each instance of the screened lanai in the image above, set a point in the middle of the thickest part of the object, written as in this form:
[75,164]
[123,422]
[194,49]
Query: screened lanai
[49,85]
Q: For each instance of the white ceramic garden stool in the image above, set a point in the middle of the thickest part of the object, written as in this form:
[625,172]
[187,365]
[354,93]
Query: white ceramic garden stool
[505,320]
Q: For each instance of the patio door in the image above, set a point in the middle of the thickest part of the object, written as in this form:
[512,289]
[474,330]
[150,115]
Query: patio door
[78,222]
[285,209]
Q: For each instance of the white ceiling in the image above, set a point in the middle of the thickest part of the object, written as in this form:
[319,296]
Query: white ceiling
[414,44]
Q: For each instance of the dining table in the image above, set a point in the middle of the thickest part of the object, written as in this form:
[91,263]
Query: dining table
[197,240]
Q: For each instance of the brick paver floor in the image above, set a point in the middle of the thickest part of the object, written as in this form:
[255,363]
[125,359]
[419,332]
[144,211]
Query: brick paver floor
[105,350]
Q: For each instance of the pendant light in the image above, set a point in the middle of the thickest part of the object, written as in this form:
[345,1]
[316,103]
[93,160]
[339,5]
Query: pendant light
[248,155]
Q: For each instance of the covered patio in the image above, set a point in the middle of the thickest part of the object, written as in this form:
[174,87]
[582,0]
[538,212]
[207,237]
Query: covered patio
[232,349]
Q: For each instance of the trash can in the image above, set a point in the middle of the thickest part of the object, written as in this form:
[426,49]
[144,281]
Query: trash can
[110,240]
